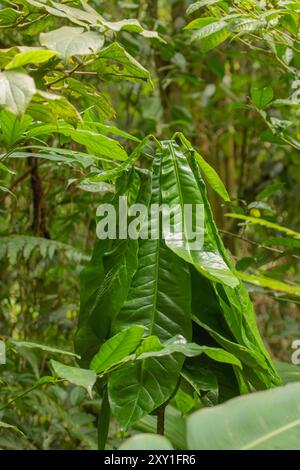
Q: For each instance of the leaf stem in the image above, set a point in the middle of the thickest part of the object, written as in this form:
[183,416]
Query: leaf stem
[161,420]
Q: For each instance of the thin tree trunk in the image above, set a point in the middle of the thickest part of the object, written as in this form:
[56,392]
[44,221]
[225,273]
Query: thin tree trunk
[39,225]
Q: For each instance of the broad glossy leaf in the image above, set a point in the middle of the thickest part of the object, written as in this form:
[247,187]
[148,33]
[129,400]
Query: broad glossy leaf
[82,377]
[69,41]
[249,422]
[114,62]
[223,299]
[180,190]
[16,91]
[146,442]
[159,300]
[227,315]
[30,57]
[117,348]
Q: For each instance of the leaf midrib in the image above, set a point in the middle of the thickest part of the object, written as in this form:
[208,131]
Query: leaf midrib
[152,313]
[271,434]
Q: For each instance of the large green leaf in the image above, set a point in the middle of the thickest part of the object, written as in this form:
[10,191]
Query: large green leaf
[230,303]
[106,280]
[180,190]
[69,41]
[159,299]
[117,348]
[267,420]
[82,377]
[16,91]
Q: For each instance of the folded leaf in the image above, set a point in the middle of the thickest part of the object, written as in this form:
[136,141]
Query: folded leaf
[159,300]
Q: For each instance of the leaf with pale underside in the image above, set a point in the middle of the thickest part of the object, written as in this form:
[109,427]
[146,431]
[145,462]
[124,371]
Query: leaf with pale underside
[16,91]
[70,41]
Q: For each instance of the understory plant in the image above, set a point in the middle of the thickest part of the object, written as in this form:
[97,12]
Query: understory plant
[160,320]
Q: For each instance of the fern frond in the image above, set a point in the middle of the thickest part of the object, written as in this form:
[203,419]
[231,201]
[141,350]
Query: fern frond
[13,246]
